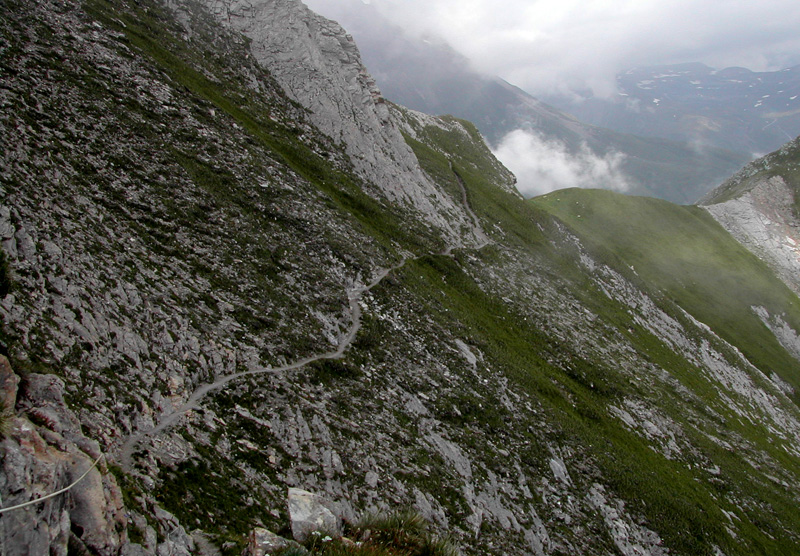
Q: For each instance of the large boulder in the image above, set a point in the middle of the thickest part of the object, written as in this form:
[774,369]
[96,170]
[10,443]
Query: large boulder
[308,513]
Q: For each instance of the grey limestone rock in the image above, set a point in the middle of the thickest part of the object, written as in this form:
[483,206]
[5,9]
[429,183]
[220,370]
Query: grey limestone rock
[262,542]
[764,221]
[309,514]
[9,381]
[318,64]
[630,538]
[44,454]
[559,470]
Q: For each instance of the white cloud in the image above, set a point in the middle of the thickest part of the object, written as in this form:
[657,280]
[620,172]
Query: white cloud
[544,45]
[542,166]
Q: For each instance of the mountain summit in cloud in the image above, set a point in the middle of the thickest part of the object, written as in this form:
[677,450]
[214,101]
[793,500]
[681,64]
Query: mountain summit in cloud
[555,46]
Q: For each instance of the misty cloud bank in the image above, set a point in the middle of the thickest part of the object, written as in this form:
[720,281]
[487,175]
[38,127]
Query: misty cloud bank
[552,46]
[543,165]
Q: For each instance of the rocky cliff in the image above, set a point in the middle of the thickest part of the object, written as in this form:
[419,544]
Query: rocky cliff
[210,290]
[758,206]
[43,450]
[318,65]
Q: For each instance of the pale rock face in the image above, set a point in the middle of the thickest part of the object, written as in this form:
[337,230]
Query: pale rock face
[560,470]
[309,514]
[631,539]
[785,334]
[8,386]
[318,64]
[263,542]
[763,221]
[40,459]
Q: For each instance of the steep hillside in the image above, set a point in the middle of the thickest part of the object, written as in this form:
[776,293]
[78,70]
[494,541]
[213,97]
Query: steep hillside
[759,206]
[316,62]
[215,297]
[692,260]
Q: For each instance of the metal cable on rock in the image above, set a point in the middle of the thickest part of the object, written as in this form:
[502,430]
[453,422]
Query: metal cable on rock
[54,494]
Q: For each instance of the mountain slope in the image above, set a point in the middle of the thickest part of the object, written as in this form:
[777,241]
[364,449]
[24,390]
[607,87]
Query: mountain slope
[695,262]
[432,78]
[759,207]
[215,301]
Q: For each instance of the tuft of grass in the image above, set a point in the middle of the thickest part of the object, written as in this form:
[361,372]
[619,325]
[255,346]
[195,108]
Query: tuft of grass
[292,551]
[403,532]
[328,371]
[400,533]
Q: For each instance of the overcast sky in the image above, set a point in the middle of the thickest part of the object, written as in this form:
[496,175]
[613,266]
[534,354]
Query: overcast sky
[541,45]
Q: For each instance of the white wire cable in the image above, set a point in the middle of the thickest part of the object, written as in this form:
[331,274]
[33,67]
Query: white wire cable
[63,490]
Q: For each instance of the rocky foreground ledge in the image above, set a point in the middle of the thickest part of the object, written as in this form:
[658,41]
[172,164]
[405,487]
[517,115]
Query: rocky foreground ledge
[56,479]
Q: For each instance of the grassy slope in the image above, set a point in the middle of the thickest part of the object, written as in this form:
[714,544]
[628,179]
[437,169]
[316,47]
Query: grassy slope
[683,252]
[677,501]
[502,212]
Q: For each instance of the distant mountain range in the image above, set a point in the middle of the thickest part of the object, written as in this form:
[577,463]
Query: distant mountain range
[431,77]
[733,108]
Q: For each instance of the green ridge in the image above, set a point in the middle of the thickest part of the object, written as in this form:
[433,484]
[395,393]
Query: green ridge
[693,261]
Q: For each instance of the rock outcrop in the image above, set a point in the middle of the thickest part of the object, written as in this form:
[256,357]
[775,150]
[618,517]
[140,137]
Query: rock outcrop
[263,542]
[309,514]
[759,207]
[44,451]
[318,64]
[764,220]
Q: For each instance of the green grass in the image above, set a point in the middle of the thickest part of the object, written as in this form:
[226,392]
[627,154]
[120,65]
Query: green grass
[576,401]
[210,492]
[698,266]
[328,371]
[693,261]
[447,154]
[6,415]
[677,501]
[401,533]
